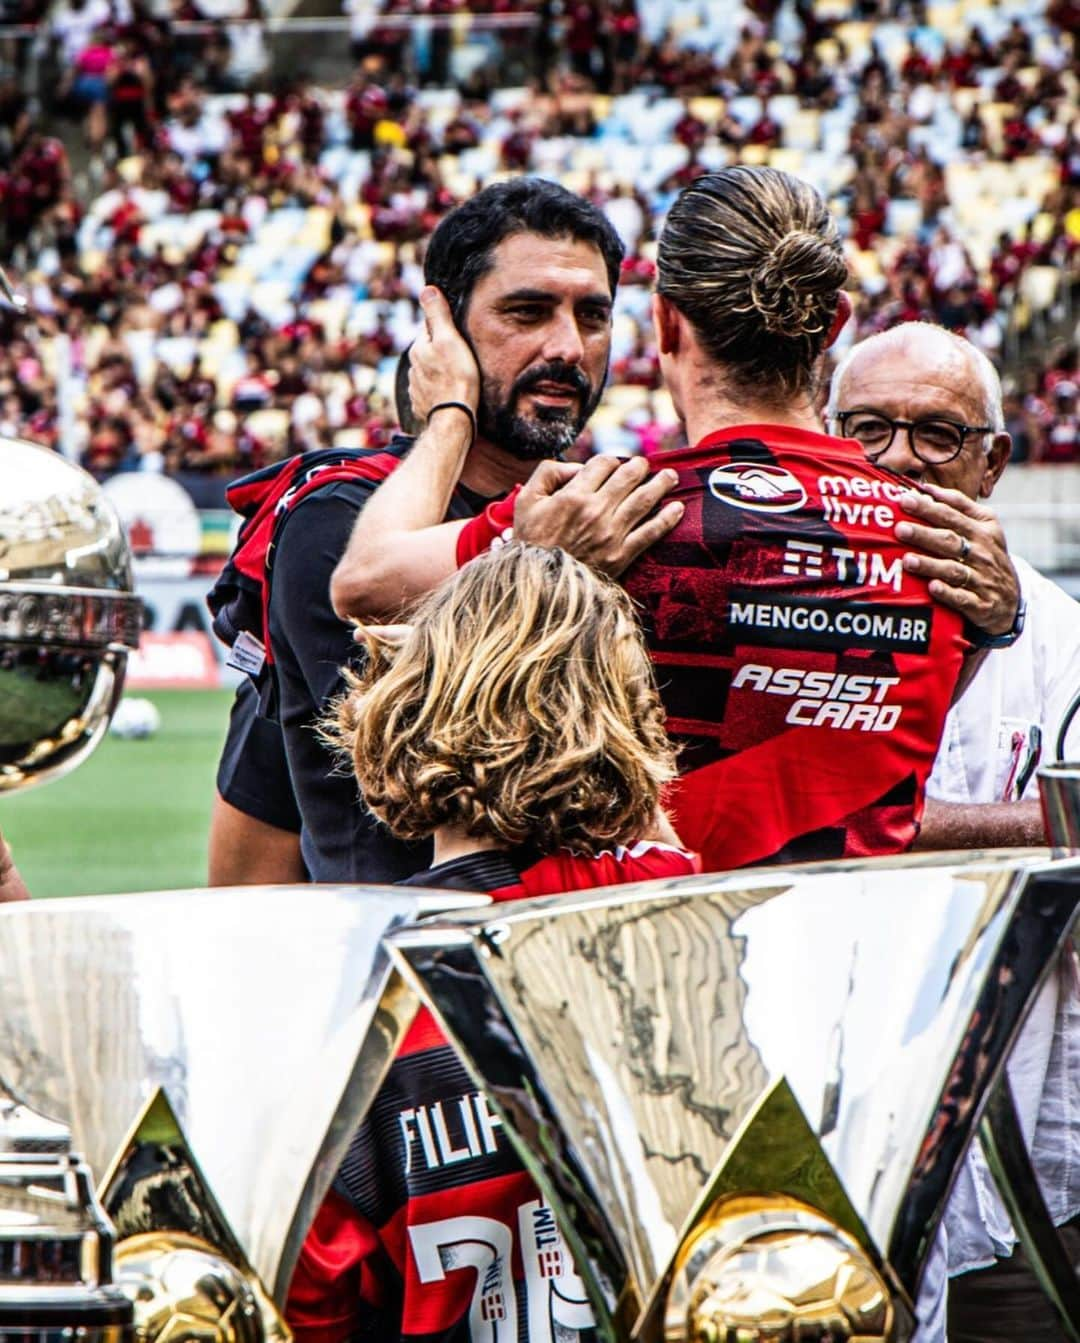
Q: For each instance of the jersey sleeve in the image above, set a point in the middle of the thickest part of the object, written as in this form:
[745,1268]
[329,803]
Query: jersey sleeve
[646,861]
[495,523]
[337,1277]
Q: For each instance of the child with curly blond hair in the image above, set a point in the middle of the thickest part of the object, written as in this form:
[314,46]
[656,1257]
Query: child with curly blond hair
[518,723]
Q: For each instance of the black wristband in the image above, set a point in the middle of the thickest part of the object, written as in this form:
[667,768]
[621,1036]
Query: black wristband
[979,639]
[457,405]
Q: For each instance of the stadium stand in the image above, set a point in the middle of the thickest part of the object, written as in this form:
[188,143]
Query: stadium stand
[222,258]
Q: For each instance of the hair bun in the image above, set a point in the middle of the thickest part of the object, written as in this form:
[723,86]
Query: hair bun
[788,287]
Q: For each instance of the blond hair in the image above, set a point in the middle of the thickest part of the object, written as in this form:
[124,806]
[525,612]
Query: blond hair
[521,708]
[752,257]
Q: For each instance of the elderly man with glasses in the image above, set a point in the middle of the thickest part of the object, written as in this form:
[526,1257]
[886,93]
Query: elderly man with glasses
[927,404]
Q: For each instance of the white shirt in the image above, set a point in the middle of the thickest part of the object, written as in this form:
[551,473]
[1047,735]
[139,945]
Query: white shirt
[990,741]
[989,731]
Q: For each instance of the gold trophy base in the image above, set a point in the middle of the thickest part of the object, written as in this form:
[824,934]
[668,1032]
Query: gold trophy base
[182,1288]
[767,1267]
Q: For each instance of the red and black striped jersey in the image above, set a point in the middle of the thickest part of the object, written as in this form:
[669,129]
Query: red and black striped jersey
[433,1232]
[805,672]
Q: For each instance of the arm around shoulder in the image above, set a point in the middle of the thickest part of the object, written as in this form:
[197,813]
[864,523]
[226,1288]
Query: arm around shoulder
[400,548]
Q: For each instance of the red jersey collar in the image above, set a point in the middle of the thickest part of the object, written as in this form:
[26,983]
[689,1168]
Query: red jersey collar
[781,436]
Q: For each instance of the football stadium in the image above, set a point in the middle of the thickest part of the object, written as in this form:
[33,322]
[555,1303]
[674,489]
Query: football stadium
[615,460]
[223,253]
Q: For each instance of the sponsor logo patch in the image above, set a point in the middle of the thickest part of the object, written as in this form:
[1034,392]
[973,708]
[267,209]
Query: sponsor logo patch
[814,562]
[837,700]
[860,501]
[757,486]
[827,623]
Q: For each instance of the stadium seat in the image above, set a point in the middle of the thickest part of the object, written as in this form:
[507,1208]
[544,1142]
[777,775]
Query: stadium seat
[783,108]
[270,423]
[272,299]
[802,130]
[706,109]
[865,265]
[331,314]
[351,437]
[786,160]
[855,34]
[626,396]
[1040,286]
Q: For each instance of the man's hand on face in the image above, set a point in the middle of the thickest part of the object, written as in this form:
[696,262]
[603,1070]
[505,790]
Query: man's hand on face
[599,512]
[441,365]
[961,549]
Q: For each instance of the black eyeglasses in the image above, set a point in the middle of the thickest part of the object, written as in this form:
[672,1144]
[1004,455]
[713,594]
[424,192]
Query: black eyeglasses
[932,440]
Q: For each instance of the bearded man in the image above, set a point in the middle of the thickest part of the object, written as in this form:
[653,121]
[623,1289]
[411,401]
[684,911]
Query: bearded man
[528,271]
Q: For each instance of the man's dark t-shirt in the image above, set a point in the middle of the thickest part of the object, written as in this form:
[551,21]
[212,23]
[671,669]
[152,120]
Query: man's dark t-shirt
[340,840]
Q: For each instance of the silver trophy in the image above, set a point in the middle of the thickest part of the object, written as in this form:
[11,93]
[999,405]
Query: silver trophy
[180,1073]
[746,1096]
[207,1053]
[743,1097]
[68,617]
[68,614]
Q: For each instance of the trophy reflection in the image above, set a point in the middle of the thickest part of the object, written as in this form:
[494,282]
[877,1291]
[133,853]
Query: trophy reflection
[745,1096]
[184,1071]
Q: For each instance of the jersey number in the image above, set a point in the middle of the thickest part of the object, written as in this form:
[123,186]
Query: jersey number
[556,1307]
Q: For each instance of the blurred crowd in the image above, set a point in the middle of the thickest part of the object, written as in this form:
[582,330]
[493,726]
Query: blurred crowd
[222,262]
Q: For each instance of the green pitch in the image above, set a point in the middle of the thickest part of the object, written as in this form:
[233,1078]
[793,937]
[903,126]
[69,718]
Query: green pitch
[135,816]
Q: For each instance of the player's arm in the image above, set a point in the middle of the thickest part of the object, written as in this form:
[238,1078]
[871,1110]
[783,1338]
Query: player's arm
[245,851]
[400,547]
[606,514]
[980,825]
